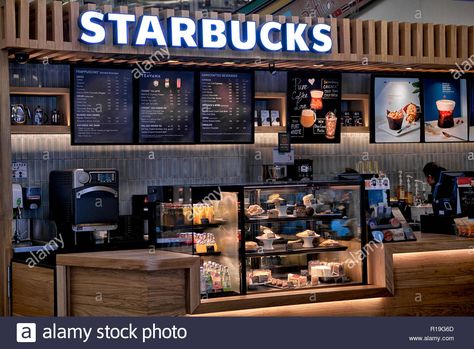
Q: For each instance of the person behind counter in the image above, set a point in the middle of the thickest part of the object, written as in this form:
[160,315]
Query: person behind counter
[432,173]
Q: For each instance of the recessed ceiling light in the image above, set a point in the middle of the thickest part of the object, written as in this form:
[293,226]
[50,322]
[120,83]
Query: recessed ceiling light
[229,62]
[409,68]
[173,61]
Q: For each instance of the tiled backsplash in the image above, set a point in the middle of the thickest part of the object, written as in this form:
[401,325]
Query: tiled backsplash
[141,166]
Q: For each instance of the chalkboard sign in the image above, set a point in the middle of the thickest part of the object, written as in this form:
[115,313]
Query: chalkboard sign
[466,199]
[166,107]
[226,107]
[314,105]
[102,104]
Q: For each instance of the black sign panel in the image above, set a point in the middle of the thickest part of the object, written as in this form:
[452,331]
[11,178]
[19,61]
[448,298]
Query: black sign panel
[314,105]
[102,106]
[166,107]
[226,107]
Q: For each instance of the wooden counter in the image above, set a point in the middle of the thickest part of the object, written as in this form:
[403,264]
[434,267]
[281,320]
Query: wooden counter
[429,277]
[127,283]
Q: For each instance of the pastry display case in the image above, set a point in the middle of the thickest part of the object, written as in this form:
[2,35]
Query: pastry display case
[269,237]
[303,236]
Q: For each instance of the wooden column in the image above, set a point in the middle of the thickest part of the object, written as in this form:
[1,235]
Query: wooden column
[6,211]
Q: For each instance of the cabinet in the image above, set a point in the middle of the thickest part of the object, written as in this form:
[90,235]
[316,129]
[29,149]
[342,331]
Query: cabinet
[269,237]
[303,236]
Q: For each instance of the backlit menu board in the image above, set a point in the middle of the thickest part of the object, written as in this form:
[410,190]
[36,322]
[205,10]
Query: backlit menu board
[397,116]
[226,107]
[102,106]
[445,110]
[314,107]
[166,107]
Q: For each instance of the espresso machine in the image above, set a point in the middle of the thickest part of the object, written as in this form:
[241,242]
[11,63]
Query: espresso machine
[84,204]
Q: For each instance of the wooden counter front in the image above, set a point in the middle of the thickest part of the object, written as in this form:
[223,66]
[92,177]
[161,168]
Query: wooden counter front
[127,283]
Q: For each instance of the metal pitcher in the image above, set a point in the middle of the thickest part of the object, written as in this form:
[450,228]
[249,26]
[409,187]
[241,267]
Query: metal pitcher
[40,117]
[19,114]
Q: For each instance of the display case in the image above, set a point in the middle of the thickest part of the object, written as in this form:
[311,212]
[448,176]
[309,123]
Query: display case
[269,237]
[204,221]
[303,236]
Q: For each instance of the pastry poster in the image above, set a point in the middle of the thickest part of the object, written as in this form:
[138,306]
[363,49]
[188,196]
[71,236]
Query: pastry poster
[397,110]
[314,107]
[445,110]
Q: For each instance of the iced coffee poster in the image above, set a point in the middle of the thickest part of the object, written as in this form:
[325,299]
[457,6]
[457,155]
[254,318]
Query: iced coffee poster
[314,107]
[445,110]
[397,110]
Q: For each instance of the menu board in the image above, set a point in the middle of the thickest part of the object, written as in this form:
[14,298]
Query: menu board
[166,107]
[226,107]
[102,106]
[397,115]
[445,110]
[471,112]
[314,105]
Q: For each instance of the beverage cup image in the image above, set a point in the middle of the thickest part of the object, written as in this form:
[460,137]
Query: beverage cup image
[395,119]
[308,118]
[331,124]
[316,99]
[445,110]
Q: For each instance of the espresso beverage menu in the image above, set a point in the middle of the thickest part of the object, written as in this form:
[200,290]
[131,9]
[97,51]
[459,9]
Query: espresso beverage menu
[226,107]
[166,112]
[102,106]
[314,105]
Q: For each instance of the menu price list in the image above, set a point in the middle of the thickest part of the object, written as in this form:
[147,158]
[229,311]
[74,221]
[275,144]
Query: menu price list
[226,107]
[103,106]
[166,107]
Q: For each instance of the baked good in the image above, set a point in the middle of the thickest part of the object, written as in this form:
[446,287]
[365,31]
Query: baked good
[307,233]
[328,243]
[254,210]
[309,211]
[395,119]
[307,199]
[268,234]
[251,246]
[273,213]
[411,112]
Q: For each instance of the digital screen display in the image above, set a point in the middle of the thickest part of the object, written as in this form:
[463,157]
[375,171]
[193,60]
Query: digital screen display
[102,106]
[445,110]
[314,107]
[226,107]
[166,107]
[398,116]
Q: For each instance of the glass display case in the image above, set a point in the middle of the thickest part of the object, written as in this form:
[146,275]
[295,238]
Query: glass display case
[303,236]
[269,237]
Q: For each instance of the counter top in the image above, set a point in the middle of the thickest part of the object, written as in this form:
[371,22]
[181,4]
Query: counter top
[143,259]
[430,242]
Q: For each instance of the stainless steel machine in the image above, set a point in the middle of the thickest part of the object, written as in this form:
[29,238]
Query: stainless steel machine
[84,204]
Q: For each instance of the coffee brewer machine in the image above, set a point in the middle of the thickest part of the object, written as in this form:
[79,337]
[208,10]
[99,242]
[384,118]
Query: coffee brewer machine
[84,204]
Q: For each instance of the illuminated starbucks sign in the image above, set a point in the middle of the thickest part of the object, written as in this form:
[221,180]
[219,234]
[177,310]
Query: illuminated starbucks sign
[206,33]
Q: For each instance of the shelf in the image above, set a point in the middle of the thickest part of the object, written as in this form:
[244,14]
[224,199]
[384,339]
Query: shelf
[281,252]
[355,129]
[40,129]
[293,218]
[270,129]
[208,254]
[192,226]
[354,97]
[39,91]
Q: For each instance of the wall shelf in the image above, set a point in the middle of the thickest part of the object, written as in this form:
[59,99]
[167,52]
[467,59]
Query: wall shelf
[61,104]
[273,101]
[40,129]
